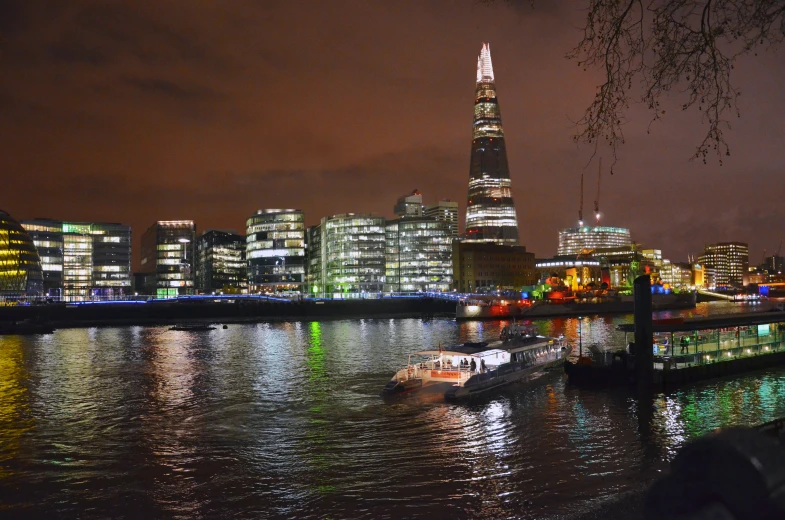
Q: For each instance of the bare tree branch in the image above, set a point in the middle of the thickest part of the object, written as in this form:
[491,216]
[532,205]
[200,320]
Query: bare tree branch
[685,48]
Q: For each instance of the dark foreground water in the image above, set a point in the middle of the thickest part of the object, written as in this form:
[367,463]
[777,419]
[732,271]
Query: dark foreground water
[285,420]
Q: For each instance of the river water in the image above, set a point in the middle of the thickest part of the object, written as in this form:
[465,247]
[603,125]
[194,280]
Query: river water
[284,420]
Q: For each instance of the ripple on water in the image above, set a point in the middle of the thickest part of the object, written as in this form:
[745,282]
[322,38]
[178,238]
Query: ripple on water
[285,420]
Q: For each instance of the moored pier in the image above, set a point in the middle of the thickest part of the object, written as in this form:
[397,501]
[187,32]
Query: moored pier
[673,352]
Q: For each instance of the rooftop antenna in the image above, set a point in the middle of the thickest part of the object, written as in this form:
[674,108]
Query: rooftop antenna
[597,200]
[580,210]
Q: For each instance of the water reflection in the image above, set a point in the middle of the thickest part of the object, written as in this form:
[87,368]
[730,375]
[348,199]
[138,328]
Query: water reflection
[15,416]
[284,419]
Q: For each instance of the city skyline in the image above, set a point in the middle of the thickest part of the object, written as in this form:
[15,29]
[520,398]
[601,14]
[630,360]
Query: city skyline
[126,115]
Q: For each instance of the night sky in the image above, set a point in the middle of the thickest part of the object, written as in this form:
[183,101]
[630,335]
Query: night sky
[143,111]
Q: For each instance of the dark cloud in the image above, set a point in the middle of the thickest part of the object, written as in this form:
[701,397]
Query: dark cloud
[138,111]
[171,89]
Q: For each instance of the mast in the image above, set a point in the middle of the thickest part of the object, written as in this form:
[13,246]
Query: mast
[580,210]
[597,200]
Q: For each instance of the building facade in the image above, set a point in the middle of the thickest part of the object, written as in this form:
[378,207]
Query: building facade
[576,273]
[677,274]
[346,255]
[446,211]
[220,262]
[479,267]
[729,261]
[83,260]
[275,250]
[490,212]
[418,255]
[409,205]
[314,272]
[574,241]
[168,253]
[20,264]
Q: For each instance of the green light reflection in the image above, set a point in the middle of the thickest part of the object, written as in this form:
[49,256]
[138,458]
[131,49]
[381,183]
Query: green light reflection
[317,453]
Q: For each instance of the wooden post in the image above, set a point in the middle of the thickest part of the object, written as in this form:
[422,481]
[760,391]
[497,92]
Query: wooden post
[644,355]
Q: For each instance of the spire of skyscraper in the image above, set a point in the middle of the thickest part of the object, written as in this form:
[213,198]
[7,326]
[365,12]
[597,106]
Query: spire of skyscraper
[490,212]
[484,65]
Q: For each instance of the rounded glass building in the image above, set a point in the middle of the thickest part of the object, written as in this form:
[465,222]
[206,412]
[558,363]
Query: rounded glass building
[275,250]
[20,265]
[573,241]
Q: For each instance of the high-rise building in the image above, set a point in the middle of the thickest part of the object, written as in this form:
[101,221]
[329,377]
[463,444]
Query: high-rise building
[275,250]
[418,254]
[774,264]
[20,265]
[444,210]
[574,241]
[83,260]
[220,262]
[346,255]
[490,212]
[409,205]
[729,260]
[168,254]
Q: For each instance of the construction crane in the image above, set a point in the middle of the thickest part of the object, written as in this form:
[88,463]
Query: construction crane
[580,210]
[780,247]
[597,200]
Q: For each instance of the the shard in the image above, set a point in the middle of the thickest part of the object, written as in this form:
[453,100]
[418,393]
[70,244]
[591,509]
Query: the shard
[490,212]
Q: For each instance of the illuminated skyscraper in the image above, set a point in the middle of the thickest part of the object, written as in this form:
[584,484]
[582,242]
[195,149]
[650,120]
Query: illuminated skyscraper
[490,212]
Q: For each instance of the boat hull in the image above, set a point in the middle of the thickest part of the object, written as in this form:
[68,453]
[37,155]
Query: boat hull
[413,387]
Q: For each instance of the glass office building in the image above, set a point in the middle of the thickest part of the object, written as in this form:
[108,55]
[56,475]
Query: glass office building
[168,249]
[446,211]
[348,251]
[83,260]
[490,212]
[220,262]
[418,255]
[313,261]
[20,265]
[575,241]
[729,261]
[47,236]
[275,250]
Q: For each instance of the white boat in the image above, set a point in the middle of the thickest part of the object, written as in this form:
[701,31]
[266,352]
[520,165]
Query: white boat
[469,369]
